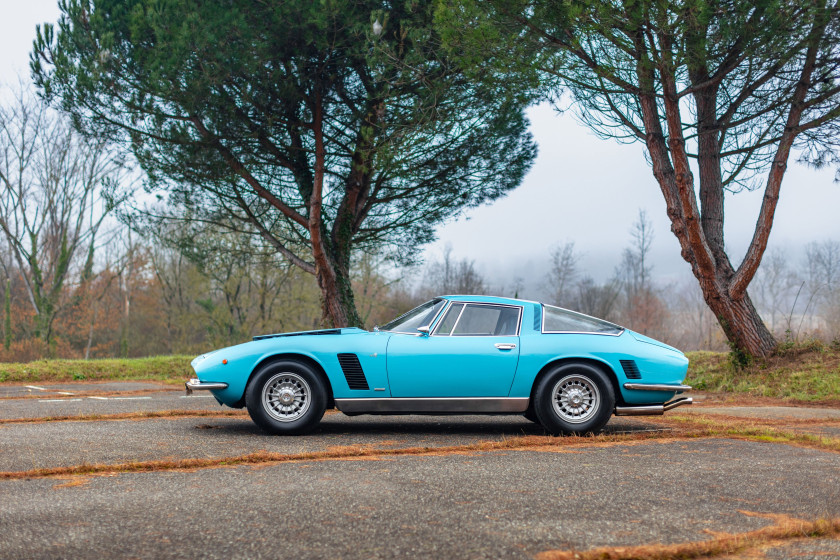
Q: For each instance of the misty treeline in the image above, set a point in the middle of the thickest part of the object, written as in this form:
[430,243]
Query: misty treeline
[89,271]
[798,294]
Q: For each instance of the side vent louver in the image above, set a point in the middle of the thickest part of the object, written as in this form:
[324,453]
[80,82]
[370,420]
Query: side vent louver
[631,370]
[353,371]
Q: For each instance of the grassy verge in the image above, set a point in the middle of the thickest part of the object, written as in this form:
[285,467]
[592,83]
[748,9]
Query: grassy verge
[159,368]
[808,373]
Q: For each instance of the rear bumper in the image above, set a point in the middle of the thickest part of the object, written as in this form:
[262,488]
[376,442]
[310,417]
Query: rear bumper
[656,387]
[197,385]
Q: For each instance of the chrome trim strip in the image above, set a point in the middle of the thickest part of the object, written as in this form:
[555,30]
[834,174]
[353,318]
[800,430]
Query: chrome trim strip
[511,405]
[586,332]
[653,409]
[466,303]
[457,319]
[196,385]
[656,387]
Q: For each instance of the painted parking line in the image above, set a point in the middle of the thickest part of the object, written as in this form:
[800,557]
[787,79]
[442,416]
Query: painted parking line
[58,400]
[196,397]
[35,387]
[99,398]
[129,398]
[63,393]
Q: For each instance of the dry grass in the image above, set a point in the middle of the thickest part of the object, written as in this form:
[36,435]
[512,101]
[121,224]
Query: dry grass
[129,416]
[521,443]
[768,431]
[682,428]
[783,529]
[39,395]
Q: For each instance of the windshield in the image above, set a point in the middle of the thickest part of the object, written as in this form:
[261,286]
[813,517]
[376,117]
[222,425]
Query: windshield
[562,320]
[421,316]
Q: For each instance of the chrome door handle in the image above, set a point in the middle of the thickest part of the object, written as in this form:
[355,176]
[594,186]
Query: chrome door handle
[505,345]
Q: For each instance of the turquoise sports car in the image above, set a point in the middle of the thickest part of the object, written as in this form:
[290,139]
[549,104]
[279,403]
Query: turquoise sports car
[452,355]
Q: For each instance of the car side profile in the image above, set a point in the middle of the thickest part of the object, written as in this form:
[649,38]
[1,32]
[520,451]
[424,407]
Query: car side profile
[452,355]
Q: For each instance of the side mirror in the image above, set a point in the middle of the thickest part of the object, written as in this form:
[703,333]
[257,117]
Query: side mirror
[423,330]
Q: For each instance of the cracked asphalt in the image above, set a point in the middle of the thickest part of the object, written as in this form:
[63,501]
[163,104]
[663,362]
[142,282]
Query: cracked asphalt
[494,504]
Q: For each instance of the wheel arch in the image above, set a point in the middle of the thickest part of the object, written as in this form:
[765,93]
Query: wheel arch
[295,357]
[604,367]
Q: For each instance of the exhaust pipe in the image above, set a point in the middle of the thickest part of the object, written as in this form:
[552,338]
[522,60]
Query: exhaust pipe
[652,409]
[678,402]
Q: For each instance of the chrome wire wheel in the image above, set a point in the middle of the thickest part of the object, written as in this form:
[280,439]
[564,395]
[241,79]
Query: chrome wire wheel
[575,399]
[286,397]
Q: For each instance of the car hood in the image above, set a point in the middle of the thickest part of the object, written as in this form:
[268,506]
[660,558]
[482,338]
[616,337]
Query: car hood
[267,342]
[352,330]
[649,340]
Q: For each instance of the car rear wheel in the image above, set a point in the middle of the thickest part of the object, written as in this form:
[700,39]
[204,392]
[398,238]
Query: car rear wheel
[286,398]
[574,398]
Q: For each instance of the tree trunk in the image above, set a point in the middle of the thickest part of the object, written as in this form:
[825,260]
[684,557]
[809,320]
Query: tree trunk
[337,300]
[700,233]
[337,303]
[744,329]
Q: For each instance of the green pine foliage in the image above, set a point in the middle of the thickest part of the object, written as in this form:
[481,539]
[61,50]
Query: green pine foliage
[326,127]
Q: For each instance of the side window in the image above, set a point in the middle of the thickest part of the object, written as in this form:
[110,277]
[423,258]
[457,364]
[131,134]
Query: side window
[449,320]
[487,320]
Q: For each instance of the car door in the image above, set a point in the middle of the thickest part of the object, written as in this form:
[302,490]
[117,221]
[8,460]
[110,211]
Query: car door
[471,352]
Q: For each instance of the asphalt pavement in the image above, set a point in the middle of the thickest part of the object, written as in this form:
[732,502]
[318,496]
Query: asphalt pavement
[446,504]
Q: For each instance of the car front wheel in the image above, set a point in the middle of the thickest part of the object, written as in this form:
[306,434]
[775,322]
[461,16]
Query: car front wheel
[286,398]
[574,399]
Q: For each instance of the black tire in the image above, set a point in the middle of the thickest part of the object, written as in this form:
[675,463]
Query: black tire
[574,398]
[531,415]
[286,398]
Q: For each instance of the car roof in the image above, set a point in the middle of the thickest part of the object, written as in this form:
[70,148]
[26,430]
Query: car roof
[489,299]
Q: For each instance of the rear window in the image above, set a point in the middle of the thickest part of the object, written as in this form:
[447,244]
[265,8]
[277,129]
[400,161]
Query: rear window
[556,319]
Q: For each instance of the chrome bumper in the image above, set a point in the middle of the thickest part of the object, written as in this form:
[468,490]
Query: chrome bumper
[656,387]
[651,409]
[196,385]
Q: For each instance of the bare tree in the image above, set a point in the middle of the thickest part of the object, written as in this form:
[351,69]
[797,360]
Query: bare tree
[449,276]
[598,300]
[822,264]
[563,274]
[52,204]
[775,288]
[642,308]
[636,270]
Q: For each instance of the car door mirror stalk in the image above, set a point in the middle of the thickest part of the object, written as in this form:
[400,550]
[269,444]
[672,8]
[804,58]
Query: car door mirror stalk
[424,331]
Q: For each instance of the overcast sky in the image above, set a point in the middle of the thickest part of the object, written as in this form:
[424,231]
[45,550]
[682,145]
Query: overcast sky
[580,189]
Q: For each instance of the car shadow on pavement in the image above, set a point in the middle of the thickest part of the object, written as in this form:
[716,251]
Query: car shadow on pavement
[372,426]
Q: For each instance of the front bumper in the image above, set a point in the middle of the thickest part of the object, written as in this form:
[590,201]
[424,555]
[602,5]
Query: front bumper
[196,385]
